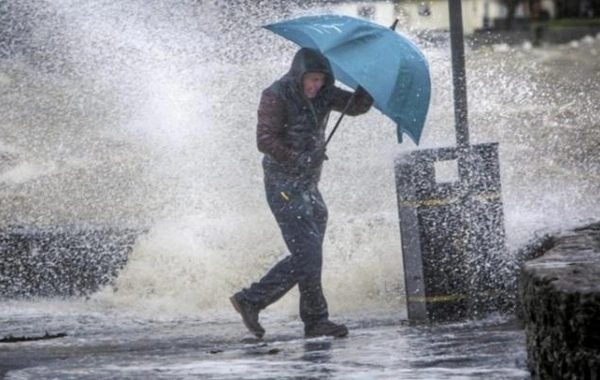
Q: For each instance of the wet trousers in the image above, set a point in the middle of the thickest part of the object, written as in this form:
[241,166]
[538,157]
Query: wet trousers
[302,218]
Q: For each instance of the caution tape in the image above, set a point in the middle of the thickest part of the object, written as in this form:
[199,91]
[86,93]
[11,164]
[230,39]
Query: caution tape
[434,299]
[484,197]
[451,297]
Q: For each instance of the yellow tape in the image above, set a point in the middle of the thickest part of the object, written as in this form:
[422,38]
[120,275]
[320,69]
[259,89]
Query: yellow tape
[285,196]
[448,298]
[451,297]
[488,196]
[447,201]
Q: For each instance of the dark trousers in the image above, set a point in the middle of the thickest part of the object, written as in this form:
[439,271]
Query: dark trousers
[302,217]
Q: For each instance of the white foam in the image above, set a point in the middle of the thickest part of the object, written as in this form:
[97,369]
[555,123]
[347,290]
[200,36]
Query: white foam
[26,171]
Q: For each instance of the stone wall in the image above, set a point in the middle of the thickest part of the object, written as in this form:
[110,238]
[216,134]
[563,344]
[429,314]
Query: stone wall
[61,260]
[538,34]
[560,296]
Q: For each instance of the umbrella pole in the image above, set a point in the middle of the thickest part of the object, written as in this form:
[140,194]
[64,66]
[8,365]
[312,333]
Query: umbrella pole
[458,73]
[337,124]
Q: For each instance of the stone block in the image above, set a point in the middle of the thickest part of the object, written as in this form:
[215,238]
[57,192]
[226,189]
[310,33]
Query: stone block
[560,296]
[61,260]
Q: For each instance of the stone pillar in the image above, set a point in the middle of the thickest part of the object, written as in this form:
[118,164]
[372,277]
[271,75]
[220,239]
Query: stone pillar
[560,296]
[61,260]
[452,232]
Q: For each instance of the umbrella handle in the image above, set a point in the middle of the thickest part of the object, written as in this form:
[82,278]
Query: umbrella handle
[337,124]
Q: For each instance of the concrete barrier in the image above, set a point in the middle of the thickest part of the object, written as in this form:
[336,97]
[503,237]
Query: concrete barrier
[61,260]
[452,232]
[560,297]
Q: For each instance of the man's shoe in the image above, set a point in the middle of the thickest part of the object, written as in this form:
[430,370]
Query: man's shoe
[249,315]
[326,328]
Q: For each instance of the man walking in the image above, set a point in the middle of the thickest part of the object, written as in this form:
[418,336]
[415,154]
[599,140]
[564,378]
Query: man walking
[292,117]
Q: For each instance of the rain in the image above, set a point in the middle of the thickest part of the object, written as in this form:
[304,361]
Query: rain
[133,124]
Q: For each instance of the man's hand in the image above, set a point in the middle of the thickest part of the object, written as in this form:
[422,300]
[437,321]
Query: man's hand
[313,158]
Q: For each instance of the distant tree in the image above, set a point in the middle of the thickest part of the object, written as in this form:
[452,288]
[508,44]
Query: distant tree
[566,8]
[577,8]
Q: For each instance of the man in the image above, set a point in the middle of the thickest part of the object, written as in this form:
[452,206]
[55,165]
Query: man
[292,117]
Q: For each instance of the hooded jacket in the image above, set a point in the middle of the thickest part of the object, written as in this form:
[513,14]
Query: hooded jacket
[289,123]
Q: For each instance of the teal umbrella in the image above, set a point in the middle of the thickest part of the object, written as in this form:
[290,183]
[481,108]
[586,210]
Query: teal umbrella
[382,61]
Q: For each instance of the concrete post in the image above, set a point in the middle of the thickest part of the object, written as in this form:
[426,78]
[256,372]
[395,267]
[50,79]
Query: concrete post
[452,233]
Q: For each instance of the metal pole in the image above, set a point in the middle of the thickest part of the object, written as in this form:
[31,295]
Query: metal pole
[486,14]
[464,232]
[458,73]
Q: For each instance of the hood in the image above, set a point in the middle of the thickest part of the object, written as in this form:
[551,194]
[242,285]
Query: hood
[310,60]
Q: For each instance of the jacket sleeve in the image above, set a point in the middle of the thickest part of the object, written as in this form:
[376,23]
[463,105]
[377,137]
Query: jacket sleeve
[361,104]
[270,128]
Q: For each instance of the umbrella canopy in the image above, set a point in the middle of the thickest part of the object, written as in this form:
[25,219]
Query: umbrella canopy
[386,64]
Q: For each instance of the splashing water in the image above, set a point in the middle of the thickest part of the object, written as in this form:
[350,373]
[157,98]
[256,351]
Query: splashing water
[144,115]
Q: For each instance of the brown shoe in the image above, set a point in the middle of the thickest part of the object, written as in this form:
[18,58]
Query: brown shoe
[326,328]
[249,315]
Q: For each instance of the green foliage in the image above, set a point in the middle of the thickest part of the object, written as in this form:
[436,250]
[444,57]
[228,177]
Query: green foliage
[567,23]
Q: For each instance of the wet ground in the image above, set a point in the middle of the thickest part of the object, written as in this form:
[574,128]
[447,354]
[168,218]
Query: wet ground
[103,346]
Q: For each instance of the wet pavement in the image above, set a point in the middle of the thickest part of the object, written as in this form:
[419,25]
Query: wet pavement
[118,346]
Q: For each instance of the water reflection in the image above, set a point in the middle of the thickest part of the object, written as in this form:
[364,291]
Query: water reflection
[317,351]
[318,355]
[102,346]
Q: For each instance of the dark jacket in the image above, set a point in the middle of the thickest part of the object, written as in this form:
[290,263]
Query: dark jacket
[290,124]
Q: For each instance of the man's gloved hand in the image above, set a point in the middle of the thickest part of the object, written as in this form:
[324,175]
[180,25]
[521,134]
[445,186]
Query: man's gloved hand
[312,158]
[360,91]
[363,95]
